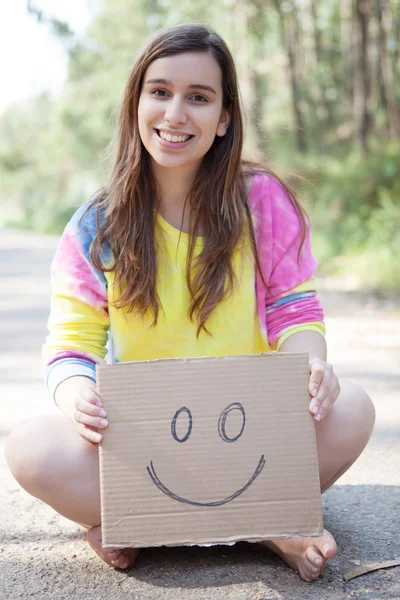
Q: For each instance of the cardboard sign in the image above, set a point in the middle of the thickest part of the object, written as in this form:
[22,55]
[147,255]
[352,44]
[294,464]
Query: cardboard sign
[208,450]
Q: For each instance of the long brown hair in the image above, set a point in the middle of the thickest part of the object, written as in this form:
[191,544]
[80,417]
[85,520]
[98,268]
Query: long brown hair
[217,200]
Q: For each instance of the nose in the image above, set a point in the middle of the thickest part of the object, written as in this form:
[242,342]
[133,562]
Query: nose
[175,111]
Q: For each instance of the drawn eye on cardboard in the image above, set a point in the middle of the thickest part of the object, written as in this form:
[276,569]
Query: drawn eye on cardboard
[225,436]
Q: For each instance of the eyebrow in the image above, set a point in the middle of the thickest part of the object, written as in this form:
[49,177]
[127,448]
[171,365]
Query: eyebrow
[193,86]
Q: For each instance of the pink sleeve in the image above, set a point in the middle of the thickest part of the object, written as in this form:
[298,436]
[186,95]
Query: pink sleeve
[278,235]
[288,267]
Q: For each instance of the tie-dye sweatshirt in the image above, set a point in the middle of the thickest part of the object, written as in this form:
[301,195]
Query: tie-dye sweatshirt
[253,319]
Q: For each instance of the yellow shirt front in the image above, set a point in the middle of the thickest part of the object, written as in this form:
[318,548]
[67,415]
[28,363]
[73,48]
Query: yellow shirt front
[234,325]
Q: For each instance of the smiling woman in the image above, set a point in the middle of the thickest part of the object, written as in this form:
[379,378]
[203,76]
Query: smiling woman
[175,112]
[188,251]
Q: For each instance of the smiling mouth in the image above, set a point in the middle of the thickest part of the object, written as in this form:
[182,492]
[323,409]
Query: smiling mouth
[151,471]
[168,137]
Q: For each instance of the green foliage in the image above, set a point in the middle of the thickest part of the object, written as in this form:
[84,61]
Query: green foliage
[354,207]
[53,151]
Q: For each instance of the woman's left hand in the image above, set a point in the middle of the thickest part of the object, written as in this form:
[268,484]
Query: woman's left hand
[323,387]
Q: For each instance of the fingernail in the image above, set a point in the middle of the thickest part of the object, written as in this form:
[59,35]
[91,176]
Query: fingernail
[326,548]
[98,403]
[318,561]
[315,410]
[102,413]
[103,422]
[318,417]
[97,438]
[314,392]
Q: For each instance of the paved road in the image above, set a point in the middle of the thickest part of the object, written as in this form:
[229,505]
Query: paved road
[42,555]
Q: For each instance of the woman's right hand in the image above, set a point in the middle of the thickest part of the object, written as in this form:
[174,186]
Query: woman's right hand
[89,415]
[78,399]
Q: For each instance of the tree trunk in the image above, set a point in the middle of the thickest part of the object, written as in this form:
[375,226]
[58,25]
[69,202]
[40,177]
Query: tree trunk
[242,51]
[362,82]
[258,27]
[288,34]
[248,76]
[347,47]
[386,86]
[257,113]
[382,97]
[395,14]
[325,106]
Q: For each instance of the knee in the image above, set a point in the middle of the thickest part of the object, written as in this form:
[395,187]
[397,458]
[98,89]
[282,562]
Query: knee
[366,409]
[28,453]
[362,410]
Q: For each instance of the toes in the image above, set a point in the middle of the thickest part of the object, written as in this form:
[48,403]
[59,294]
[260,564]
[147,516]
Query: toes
[326,545]
[315,558]
[121,562]
[310,570]
[307,574]
[313,563]
[119,558]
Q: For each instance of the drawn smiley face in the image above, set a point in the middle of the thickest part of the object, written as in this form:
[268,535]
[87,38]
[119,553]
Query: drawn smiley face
[234,406]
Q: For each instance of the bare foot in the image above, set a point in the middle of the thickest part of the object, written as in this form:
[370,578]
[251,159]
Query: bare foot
[307,555]
[120,558]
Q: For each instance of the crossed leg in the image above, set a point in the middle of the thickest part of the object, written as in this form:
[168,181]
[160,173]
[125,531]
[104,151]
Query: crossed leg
[341,437]
[51,462]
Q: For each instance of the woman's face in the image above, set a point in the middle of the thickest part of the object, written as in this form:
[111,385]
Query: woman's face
[180,109]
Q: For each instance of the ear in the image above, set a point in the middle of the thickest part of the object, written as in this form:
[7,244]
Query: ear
[223,123]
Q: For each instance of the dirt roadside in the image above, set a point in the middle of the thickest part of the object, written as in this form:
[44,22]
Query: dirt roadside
[42,555]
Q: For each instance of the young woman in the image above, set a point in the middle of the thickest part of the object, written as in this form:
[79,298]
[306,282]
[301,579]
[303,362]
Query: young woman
[187,251]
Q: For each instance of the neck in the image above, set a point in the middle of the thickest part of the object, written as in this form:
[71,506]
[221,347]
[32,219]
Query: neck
[173,187]
[173,184]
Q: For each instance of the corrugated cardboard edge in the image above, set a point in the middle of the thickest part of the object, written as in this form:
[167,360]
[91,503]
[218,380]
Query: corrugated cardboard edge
[234,539]
[202,358]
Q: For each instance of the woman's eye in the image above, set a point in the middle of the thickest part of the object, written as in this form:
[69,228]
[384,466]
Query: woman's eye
[199,98]
[160,93]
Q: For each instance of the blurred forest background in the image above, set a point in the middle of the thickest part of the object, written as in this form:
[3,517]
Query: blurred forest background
[320,85]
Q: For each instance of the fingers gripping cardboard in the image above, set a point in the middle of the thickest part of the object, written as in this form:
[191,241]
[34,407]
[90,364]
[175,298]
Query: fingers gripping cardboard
[208,450]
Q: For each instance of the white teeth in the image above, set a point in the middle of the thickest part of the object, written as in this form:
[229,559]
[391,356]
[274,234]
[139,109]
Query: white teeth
[173,138]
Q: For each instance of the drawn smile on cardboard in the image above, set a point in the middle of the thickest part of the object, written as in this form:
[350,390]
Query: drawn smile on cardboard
[223,435]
